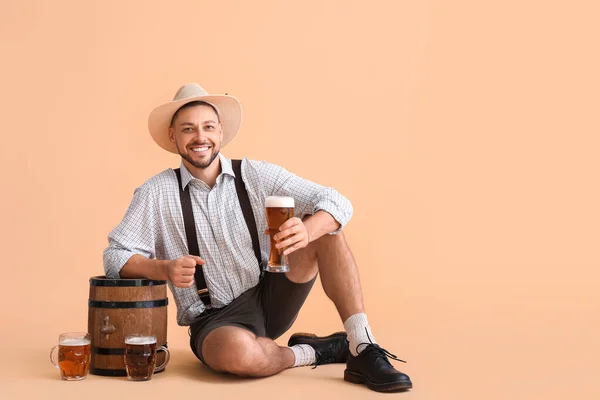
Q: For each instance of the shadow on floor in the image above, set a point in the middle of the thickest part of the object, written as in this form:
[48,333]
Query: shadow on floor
[185,364]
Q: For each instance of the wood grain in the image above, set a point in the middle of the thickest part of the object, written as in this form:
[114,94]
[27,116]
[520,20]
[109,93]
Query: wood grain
[109,326]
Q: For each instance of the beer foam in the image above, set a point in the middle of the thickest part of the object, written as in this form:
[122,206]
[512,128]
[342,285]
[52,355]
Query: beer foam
[140,340]
[279,201]
[74,342]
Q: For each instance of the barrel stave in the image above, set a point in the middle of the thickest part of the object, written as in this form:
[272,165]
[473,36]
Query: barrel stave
[138,307]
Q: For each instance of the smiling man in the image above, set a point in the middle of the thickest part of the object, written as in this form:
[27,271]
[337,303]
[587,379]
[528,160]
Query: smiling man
[198,227]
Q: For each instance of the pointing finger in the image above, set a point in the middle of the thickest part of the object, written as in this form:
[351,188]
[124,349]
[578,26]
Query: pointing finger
[199,260]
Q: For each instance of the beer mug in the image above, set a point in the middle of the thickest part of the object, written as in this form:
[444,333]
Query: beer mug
[73,355]
[279,209]
[140,357]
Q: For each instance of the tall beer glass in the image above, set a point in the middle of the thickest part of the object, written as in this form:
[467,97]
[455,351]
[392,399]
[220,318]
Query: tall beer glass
[140,357]
[279,210]
[73,355]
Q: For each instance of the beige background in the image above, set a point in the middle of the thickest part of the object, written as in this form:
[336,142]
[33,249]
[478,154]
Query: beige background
[465,133]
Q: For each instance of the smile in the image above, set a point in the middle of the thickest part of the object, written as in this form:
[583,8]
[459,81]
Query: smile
[200,149]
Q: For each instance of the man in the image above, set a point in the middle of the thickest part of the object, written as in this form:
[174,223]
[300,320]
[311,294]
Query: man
[208,243]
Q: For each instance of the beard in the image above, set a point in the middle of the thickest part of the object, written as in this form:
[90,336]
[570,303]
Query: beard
[199,163]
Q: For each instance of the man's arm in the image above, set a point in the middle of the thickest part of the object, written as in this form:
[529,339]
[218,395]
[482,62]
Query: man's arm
[319,224]
[319,210]
[139,266]
[323,208]
[179,271]
[295,234]
[134,239]
[132,244]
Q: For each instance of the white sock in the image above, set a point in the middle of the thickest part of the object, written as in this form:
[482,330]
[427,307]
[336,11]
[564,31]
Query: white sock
[304,355]
[356,327]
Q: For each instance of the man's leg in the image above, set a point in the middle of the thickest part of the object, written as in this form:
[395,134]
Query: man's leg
[239,339]
[282,300]
[368,363]
[331,256]
[238,351]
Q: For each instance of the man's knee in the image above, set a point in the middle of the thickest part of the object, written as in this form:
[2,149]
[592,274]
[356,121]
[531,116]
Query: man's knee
[327,240]
[305,262]
[329,244]
[233,350]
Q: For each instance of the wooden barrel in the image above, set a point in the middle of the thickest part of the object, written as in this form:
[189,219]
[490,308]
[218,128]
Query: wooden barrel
[121,307]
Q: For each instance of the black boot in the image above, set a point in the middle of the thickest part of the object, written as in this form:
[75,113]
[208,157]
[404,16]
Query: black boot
[329,349]
[372,367]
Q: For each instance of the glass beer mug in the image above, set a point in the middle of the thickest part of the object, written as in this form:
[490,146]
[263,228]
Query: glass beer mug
[279,209]
[73,355]
[140,357]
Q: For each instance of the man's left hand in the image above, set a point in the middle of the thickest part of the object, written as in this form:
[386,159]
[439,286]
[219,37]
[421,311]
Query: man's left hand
[294,235]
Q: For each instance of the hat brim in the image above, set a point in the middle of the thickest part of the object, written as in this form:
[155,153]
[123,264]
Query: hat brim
[228,108]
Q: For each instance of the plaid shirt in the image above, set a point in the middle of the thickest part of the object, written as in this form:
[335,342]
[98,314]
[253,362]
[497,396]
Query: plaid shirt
[153,227]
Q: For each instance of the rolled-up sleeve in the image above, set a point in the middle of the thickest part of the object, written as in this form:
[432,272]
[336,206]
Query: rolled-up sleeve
[135,234]
[309,197]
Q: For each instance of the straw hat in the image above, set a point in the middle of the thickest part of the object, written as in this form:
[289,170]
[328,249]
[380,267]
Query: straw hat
[228,108]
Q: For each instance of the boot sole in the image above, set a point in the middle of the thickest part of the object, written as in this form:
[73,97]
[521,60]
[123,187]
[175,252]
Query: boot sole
[303,335]
[353,377]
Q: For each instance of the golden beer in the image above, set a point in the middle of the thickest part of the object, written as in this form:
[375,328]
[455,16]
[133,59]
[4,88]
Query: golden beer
[279,209]
[140,357]
[74,352]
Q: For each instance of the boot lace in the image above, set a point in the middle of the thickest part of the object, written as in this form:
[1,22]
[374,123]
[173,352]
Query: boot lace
[378,349]
[326,357]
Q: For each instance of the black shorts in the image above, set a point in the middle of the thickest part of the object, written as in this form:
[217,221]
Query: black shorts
[268,310]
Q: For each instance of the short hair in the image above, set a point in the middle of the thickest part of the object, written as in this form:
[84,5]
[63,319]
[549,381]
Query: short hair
[194,104]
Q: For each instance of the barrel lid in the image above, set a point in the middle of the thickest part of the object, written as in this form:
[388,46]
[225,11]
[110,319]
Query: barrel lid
[122,282]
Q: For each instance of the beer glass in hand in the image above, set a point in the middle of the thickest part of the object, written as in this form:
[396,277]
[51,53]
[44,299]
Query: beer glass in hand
[73,355]
[140,357]
[279,210]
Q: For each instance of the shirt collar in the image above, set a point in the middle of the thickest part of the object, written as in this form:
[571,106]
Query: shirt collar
[226,168]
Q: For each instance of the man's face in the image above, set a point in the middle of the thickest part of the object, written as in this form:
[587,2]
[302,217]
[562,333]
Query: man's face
[197,134]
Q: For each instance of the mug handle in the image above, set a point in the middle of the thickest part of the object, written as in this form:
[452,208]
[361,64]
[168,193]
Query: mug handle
[53,352]
[167,357]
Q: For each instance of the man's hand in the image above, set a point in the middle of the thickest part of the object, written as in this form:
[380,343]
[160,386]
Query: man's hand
[181,270]
[292,236]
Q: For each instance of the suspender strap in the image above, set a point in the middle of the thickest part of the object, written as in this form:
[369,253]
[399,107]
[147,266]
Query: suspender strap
[190,226]
[242,193]
[192,239]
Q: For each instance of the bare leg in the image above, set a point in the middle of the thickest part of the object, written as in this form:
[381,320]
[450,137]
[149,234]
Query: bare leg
[238,351]
[330,255]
